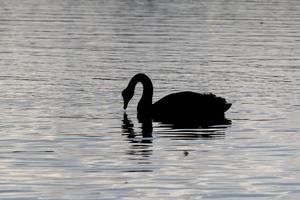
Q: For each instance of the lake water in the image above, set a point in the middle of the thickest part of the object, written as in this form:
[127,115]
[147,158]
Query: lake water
[64,64]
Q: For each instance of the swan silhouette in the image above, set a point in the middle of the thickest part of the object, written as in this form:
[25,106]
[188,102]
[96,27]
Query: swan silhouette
[177,108]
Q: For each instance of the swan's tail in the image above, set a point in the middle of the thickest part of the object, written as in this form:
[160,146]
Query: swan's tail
[227,106]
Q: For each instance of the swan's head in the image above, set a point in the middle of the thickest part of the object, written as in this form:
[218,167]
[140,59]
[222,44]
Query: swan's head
[127,95]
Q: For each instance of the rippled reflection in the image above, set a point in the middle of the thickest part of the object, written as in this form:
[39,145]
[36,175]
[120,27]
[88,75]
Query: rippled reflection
[128,129]
[141,147]
[174,131]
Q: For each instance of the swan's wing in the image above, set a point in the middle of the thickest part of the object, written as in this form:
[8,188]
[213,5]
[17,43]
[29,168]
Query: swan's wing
[191,102]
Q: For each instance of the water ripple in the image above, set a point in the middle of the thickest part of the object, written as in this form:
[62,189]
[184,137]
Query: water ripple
[64,63]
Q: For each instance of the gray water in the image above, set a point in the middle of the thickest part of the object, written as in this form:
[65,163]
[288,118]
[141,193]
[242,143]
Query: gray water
[64,64]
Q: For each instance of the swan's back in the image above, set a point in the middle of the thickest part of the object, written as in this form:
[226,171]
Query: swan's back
[189,106]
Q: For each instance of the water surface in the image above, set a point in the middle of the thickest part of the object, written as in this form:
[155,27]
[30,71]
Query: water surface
[64,63]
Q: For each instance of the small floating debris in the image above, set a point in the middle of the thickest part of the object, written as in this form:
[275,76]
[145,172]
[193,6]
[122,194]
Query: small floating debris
[185,153]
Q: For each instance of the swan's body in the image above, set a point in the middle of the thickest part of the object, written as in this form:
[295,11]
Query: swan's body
[179,107]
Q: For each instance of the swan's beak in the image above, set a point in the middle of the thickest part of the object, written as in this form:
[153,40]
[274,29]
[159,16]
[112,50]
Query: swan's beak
[127,95]
[125,104]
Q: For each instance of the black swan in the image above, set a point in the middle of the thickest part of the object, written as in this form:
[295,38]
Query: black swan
[181,107]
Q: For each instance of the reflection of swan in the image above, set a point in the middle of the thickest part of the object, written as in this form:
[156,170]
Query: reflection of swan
[141,147]
[176,108]
[171,131]
[128,128]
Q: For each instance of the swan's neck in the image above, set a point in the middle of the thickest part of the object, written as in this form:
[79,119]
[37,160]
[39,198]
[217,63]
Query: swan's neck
[146,101]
